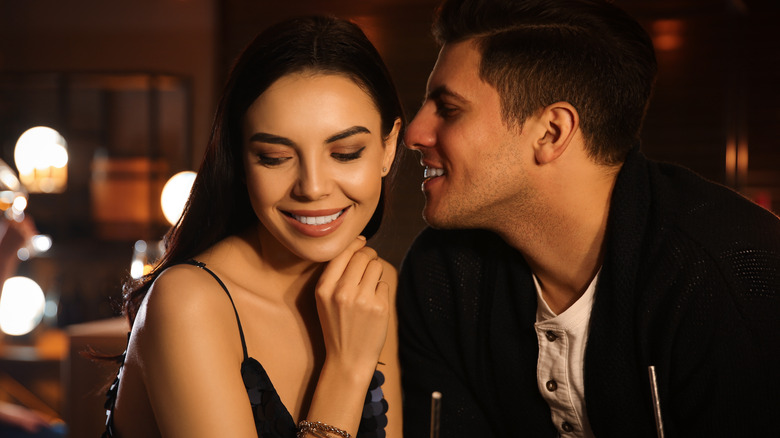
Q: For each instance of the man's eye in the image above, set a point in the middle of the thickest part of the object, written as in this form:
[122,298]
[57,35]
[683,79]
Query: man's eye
[340,156]
[445,111]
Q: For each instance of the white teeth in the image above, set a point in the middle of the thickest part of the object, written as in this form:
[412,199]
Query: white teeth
[432,172]
[317,220]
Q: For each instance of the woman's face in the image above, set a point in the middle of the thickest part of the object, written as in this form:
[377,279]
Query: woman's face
[314,159]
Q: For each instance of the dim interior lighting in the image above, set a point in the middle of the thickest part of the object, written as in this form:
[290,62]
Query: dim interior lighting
[50,309]
[139,259]
[137,269]
[145,256]
[38,244]
[13,196]
[13,202]
[8,178]
[175,194]
[23,254]
[41,155]
[41,243]
[22,304]
[19,203]
[667,34]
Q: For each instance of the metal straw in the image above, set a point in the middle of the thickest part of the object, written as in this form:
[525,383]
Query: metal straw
[435,413]
[659,423]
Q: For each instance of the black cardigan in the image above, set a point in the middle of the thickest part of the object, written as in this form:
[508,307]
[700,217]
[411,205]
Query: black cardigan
[690,284]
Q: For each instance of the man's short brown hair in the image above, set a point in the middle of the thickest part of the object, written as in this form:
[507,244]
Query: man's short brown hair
[588,53]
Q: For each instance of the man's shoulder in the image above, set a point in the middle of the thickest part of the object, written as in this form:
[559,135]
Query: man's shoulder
[711,212]
[703,225]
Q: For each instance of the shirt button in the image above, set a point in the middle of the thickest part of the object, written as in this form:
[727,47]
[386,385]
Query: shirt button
[551,336]
[567,427]
[551,385]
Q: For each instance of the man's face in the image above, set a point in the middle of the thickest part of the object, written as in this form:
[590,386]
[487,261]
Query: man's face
[475,165]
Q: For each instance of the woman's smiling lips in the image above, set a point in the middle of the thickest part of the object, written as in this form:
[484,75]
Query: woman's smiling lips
[315,223]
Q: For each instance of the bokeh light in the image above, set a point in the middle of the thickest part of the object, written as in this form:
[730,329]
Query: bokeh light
[41,156]
[175,195]
[21,306]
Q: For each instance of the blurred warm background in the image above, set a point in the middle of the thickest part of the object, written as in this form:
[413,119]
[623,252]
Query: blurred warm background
[128,88]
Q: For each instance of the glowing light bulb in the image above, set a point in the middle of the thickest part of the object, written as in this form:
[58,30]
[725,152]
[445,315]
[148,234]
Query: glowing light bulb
[41,155]
[22,304]
[175,194]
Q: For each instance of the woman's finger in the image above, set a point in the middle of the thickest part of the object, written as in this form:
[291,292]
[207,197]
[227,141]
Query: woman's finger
[335,268]
[356,268]
[372,275]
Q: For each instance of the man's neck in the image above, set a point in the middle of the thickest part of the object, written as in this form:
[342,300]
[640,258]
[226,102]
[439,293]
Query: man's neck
[564,245]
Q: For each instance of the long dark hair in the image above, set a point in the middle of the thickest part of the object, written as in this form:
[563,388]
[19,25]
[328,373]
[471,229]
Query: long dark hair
[219,205]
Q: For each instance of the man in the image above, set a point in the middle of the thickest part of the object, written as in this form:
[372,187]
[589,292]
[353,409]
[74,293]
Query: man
[561,264]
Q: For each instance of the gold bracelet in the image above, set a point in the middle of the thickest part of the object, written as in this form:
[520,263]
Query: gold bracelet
[317,428]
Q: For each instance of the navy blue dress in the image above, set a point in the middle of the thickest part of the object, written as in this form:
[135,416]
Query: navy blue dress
[272,419]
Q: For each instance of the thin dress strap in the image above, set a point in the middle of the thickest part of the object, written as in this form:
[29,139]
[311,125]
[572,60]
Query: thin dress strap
[238,320]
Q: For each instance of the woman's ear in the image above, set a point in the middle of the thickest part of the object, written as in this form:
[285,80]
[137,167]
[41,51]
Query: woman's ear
[391,142]
[560,121]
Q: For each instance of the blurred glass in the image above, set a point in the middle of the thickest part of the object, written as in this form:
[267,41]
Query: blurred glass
[13,202]
[13,195]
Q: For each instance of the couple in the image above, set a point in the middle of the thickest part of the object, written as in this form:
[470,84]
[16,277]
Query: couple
[559,267]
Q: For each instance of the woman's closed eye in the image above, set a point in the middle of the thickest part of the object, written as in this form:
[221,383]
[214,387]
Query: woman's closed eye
[348,156]
[271,160]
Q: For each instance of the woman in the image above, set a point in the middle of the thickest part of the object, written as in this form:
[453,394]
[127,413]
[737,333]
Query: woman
[267,309]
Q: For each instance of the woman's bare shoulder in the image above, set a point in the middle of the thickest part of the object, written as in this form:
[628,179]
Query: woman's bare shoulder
[185,332]
[185,288]
[184,300]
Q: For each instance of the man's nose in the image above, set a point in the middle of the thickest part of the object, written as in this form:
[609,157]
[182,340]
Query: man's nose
[420,132]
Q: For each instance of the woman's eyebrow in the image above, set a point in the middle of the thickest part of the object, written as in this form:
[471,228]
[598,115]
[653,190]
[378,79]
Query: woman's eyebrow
[348,133]
[264,137]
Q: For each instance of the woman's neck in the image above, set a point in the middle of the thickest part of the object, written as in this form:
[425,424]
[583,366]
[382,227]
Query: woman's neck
[268,269]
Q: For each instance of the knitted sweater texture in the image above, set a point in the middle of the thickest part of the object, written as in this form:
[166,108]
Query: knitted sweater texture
[690,284]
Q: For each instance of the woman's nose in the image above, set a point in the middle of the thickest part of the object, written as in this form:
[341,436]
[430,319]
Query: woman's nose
[313,181]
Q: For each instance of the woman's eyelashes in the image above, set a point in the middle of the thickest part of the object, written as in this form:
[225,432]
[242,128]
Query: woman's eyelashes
[348,156]
[276,159]
[270,160]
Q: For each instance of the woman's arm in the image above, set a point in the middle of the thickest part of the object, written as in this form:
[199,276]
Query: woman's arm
[187,344]
[353,303]
[389,357]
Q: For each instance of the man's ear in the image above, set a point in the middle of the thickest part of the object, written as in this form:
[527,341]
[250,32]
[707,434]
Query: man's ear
[560,121]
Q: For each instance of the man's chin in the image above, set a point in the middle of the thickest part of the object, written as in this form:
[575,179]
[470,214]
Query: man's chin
[435,219]
[443,219]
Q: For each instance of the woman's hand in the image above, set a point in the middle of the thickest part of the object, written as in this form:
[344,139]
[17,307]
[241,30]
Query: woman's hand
[353,306]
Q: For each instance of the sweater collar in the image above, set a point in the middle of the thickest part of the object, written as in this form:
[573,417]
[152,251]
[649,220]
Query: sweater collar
[612,354]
